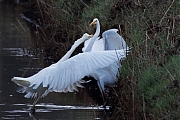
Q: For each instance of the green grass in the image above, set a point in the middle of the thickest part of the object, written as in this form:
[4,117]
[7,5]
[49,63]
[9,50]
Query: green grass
[150,68]
[160,92]
[75,16]
[98,9]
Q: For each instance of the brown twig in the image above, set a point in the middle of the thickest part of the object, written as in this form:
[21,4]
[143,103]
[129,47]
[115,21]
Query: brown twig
[144,108]
[166,12]
[21,25]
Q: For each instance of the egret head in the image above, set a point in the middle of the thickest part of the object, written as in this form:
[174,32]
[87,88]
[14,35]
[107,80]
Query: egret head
[86,36]
[94,22]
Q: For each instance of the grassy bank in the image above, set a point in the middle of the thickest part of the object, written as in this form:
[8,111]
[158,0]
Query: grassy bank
[151,71]
[148,87]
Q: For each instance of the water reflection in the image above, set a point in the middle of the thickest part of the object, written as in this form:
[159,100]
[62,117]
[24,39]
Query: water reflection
[17,60]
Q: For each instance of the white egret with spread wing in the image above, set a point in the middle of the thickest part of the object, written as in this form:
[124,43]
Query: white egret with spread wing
[66,75]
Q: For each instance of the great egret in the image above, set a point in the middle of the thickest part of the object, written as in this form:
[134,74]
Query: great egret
[110,40]
[66,75]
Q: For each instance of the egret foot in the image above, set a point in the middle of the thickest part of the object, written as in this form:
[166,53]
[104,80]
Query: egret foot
[104,105]
[32,111]
[33,107]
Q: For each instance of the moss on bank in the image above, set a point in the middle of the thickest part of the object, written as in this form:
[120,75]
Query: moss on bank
[148,87]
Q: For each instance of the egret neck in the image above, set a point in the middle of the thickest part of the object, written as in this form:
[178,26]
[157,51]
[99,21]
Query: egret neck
[89,47]
[74,46]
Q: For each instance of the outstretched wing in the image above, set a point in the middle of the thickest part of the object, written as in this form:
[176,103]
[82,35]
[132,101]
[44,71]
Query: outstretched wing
[65,76]
[113,41]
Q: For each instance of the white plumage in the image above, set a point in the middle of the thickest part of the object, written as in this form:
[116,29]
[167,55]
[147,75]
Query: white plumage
[110,40]
[101,60]
[51,78]
[66,76]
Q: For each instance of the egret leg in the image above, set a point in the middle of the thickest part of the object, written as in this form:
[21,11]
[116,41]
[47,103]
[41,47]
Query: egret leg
[33,107]
[104,99]
[102,93]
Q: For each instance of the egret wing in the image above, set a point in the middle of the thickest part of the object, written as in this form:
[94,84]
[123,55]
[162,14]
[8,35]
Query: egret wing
[66,76]
[113,41]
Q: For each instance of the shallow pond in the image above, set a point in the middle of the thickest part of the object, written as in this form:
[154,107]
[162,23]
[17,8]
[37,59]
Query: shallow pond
[17,60]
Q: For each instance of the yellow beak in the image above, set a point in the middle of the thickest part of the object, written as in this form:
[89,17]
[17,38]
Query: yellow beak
[90,36]
[92,23]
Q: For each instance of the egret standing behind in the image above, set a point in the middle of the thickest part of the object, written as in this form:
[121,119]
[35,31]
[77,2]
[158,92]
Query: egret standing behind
[110,40]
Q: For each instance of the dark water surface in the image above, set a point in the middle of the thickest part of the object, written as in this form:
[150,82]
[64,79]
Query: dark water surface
[15,60]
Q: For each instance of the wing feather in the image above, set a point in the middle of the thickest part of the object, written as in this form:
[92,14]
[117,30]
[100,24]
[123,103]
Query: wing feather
[113,41]
[65,76]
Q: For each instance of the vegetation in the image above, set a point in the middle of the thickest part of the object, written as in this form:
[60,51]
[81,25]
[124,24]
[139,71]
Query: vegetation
[148,87]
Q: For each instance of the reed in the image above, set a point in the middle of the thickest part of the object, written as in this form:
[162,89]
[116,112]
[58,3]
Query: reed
[151,28]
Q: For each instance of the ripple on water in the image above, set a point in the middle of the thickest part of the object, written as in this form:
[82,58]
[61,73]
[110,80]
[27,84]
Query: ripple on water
[51,107]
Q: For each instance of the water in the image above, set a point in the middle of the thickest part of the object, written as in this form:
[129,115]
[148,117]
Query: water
[16,60]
